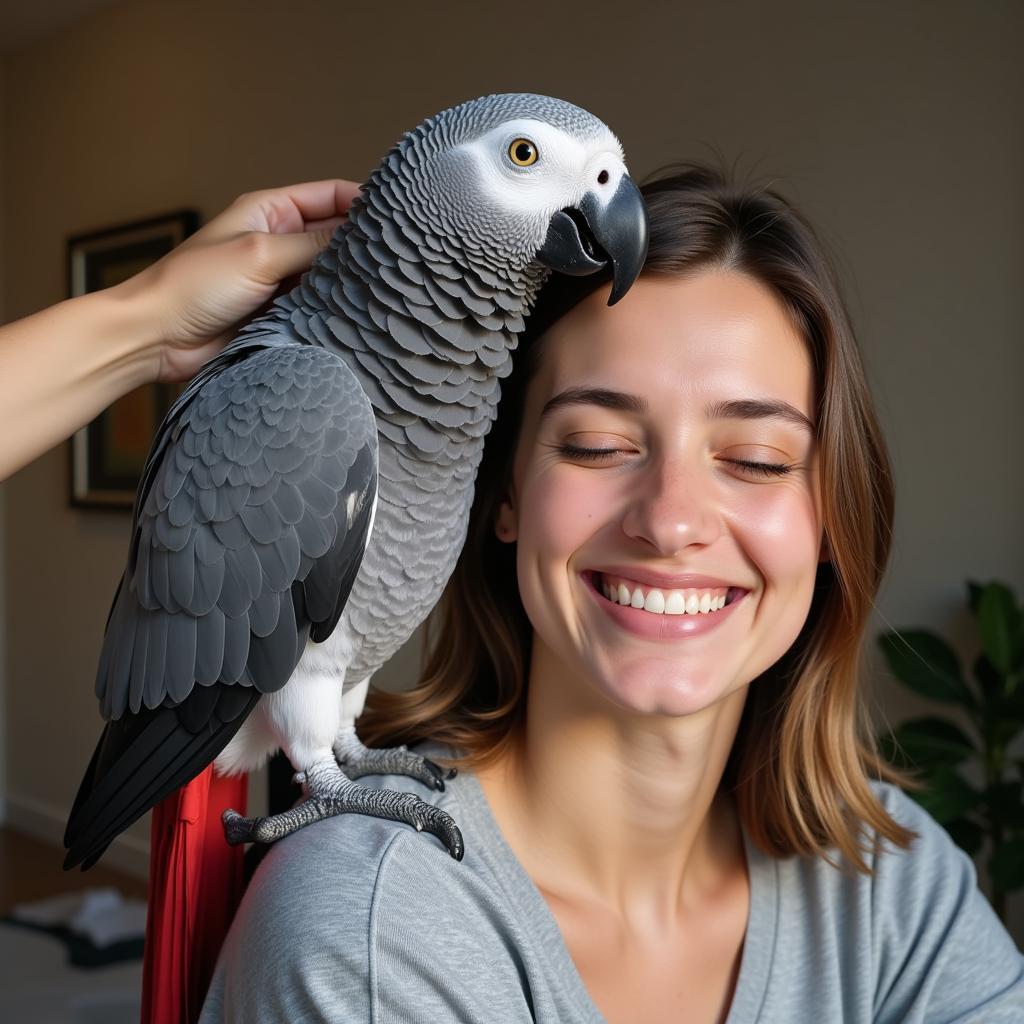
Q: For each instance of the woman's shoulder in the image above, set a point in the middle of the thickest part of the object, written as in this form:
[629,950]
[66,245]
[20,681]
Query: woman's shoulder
[899,880]
[908,897]
[931,855]
[356,857]
[356,909]
[904,937]
[931,843]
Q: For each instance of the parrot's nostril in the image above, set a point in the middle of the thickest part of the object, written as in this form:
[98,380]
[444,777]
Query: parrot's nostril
[602,178]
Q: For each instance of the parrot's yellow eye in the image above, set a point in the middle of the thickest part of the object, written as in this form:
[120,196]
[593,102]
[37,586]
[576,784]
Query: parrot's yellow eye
[522,152]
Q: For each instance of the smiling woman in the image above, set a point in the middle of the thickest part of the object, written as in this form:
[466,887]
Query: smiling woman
[646,666]
[654,496]
[744,447]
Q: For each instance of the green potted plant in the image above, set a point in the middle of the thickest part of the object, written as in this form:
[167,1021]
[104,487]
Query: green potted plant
[937,750]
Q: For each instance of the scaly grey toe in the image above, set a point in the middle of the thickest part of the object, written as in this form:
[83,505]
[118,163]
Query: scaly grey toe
[394,761]
[330,793]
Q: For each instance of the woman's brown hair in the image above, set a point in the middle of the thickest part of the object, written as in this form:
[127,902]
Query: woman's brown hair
[803,753]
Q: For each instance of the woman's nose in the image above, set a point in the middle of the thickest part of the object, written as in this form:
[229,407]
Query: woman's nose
[673,510]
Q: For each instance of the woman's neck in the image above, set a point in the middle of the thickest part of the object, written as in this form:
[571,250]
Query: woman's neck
[618,811]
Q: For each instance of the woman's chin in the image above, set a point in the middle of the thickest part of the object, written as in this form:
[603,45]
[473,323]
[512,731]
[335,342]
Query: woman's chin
[661,690]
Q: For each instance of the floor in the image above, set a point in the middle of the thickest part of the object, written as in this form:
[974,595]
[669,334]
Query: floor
[31,870]
[37,984]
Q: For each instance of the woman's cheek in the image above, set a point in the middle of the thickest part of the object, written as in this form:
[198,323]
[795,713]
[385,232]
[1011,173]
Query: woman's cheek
[781,534]
[557,513]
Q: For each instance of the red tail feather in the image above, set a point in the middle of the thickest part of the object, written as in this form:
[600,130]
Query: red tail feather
[195,885]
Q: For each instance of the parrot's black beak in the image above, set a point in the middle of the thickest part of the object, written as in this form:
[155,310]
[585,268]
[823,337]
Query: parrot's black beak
[583,240]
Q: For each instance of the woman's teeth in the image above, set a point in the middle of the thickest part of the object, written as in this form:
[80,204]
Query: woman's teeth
[662,602]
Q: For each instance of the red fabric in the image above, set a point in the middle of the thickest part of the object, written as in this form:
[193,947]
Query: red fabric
[195,884]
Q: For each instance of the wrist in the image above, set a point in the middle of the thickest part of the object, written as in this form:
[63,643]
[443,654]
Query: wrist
[63,365]
[128,319]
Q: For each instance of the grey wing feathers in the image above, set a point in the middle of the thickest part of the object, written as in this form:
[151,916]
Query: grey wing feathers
[255,479]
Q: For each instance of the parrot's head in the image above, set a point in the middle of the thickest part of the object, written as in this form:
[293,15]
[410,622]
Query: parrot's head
[521,183]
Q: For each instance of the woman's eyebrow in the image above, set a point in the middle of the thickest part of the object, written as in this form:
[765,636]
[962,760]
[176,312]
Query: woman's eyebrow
[758,409]
[603,397]
[737,409]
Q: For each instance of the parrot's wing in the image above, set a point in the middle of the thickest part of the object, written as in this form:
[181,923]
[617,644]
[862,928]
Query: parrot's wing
[250,525]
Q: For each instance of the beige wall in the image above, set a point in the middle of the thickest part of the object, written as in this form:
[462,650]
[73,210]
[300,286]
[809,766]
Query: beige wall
[896,126]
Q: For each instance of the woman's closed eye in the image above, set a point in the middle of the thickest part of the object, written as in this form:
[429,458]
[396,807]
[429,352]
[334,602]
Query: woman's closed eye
[573,451]
[760,468]
[760,461]
[593,447]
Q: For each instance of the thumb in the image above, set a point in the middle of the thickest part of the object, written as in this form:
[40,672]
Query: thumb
[292,253]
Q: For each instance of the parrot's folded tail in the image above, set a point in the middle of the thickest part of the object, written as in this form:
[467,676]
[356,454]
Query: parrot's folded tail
[141,759]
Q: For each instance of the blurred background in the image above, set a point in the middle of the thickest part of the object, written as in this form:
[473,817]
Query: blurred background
[896,127]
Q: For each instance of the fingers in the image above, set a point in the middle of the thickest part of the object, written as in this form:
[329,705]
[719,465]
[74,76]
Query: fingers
[325,225]
[314,200]
[289,209]
[276,256]
[283,210]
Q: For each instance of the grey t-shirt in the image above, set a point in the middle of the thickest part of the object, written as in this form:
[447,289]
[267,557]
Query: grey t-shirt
[357,919]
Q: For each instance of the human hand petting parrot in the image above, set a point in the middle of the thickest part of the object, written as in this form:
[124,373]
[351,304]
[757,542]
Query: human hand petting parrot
[63,365]
[306,499]
[200,290]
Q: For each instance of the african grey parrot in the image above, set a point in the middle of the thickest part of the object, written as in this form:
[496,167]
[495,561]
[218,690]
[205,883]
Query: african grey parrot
[306,498]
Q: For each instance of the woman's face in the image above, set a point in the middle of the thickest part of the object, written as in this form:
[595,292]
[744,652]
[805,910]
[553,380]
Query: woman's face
[666,462]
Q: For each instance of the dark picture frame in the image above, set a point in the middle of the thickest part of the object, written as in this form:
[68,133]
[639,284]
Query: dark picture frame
[107,455]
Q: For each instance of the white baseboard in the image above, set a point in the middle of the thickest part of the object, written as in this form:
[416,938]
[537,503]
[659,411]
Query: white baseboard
[46,823]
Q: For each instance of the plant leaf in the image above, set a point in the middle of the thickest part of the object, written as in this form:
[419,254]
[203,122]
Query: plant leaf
[1003,711]
[1006,865]
[973,596]
[947,795]
[931,742]
[1004,724]
[989,679]
[999,621]
[927,665]
[1006,802]
[967,834]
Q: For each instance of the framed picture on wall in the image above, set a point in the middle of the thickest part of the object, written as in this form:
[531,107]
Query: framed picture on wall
[108,454]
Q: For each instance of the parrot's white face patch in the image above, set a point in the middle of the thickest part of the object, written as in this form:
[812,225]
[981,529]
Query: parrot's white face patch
[566,167]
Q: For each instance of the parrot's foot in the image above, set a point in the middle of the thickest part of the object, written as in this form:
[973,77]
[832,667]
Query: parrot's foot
[328,793]
[356,761]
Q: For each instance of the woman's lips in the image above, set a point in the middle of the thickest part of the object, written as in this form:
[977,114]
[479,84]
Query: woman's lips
[652,625]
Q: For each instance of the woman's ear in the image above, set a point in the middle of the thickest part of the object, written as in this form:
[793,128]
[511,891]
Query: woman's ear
[506,526]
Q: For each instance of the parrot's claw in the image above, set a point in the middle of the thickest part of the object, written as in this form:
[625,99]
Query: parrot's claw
[251,830]
[428,818]
[355,761]
[236,828]
[329,793]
